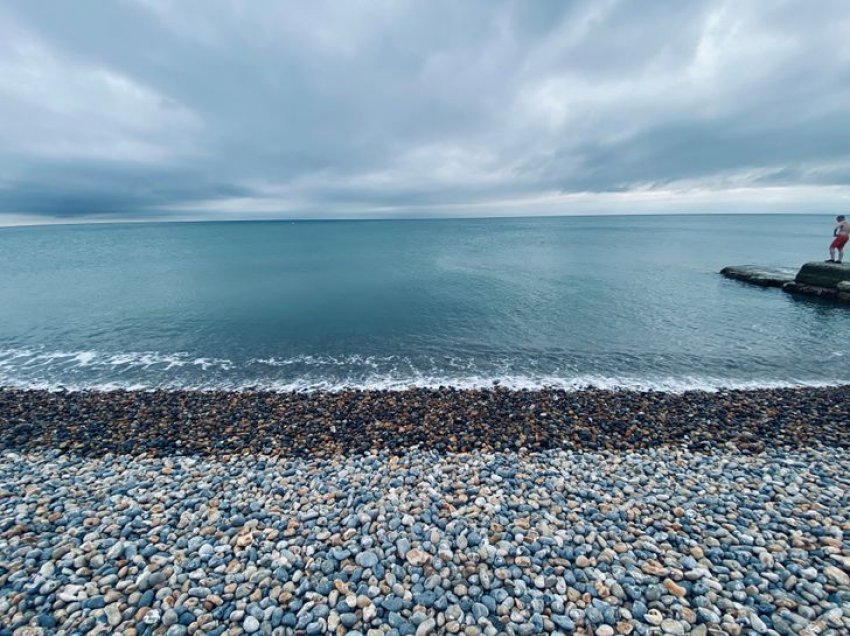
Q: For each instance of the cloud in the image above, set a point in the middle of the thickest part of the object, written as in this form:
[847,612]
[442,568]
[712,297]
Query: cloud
[219,108]
[56,108]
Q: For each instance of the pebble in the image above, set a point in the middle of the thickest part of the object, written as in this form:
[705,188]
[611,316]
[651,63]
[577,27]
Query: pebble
[170,617]
[113,614]
[326,424]
[669,626]
[417,557]
[434,511]
[426,627]
[367,559]
[838,576]
[151,617]
[653,617]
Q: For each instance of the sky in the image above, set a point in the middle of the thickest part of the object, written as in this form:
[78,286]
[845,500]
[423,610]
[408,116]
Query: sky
[220,109]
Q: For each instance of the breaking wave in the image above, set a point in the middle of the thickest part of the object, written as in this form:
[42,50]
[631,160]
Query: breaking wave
[150,370]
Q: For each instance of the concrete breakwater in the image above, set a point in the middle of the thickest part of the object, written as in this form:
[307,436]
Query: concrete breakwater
[822,280]
[491,512]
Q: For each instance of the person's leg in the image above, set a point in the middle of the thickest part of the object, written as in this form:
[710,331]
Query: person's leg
[836,244]
[839,244]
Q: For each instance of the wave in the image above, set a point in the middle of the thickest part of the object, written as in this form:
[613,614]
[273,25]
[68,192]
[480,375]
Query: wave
[89,370]
[34,359]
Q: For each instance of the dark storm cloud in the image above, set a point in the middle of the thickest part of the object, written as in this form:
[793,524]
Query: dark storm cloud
[218,108]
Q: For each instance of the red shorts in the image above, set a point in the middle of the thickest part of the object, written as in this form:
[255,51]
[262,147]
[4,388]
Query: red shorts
[839,242]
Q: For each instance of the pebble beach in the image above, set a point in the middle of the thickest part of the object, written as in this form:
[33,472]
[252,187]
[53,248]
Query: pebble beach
[426,511]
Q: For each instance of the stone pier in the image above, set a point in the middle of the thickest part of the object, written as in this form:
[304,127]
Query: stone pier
[823,280]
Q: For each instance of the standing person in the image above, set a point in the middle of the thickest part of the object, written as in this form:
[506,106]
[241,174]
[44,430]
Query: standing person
[841,234]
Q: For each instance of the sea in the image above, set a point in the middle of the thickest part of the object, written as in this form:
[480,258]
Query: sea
[612,302]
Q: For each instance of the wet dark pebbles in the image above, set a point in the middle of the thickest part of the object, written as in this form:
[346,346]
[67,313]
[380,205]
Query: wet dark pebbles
[162,423]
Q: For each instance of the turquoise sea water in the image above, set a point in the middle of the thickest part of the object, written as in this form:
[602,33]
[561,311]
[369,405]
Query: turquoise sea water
[605,301]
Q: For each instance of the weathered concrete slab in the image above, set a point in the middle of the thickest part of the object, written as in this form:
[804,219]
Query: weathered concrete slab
[840,293]
[761,276]
[797,289]
[830,281]
[826,275]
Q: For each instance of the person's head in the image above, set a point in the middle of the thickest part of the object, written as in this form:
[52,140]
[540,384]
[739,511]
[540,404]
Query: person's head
[839,218]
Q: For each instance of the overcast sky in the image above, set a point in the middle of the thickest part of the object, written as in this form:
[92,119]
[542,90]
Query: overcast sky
[151,109]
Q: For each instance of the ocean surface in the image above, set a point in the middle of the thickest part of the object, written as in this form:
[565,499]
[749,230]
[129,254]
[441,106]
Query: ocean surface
[610,302]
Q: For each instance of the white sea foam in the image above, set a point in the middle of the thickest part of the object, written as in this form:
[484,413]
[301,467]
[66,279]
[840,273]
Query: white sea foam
[99,371]
[29,358]
[320,361]
[579,383]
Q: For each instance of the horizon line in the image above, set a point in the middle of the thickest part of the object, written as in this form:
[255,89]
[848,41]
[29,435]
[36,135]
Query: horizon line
[331,219]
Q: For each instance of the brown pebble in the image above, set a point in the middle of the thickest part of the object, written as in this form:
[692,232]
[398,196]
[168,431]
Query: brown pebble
[674,588]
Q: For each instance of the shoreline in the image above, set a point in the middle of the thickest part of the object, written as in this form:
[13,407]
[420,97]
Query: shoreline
[446,419]
[578,384]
